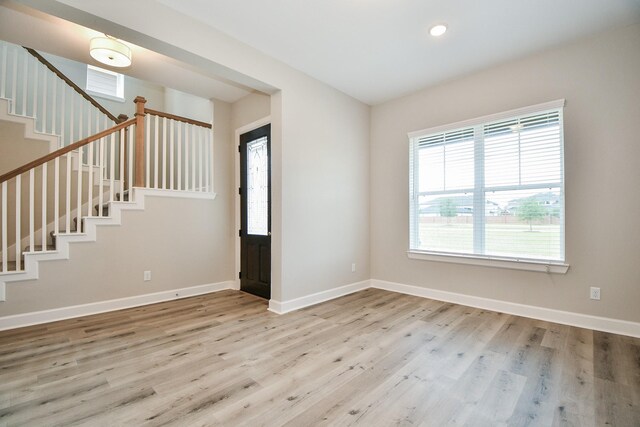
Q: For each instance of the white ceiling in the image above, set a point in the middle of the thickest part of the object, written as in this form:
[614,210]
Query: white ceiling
[376,50]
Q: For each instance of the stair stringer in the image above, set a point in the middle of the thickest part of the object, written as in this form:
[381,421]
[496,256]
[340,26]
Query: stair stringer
[29,123]
[63,240]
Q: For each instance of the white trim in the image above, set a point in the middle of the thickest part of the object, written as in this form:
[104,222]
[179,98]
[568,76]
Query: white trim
[106,96]
[180,194]
[282,307]
[56,314]
[551,105]
[513,264]
[251,126]
[597,323]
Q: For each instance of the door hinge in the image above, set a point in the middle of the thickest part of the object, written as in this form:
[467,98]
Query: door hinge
[239,274]
[239,233]
[239,149]
[240,191]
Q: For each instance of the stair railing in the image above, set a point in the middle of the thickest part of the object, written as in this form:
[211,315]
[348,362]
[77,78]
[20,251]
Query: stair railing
[47,193]
[179,153]
[38,89]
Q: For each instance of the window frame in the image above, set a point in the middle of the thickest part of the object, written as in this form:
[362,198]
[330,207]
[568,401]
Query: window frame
[519,263]
[119,94]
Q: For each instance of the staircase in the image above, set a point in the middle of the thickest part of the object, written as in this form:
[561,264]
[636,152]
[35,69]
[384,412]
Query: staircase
[61,197]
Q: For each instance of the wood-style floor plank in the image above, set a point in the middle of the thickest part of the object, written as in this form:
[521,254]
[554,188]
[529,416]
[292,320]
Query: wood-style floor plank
[372,358]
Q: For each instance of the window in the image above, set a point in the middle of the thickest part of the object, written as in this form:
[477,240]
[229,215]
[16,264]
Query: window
[490,188]
[105,83]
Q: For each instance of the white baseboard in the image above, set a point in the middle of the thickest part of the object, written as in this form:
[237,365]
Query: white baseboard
[604,324]
[281,307]
[38,317]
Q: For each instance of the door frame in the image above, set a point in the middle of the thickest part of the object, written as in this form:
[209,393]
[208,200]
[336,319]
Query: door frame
[238,221]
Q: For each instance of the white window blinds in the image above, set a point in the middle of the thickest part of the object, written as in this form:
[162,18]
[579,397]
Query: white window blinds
[493,188]
[105,82]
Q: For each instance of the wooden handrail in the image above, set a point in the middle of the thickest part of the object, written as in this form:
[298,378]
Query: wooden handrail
[64,150]
[178,118]
[75,87]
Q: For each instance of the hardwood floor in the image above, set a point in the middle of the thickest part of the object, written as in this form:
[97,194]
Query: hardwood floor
[373,358]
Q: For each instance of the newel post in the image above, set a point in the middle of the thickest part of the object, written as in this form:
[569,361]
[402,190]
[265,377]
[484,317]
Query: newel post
[139,178]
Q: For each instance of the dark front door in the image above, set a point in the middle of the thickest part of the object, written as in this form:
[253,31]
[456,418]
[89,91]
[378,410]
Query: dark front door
[255,212]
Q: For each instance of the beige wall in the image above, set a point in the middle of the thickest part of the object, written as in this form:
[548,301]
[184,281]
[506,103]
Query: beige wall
[599,78]
[187,105]
[320,142]
[222,220]
[174,238]
[15,149]
[249,109]
[184,242]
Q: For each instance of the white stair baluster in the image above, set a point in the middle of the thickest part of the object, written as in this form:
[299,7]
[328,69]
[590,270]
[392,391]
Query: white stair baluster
[25,70]
[14,81]
[207,150]
[18,225]
[155,151]
[121,149]
[194,147]
[32,183]
[71,118]
[44,103]
[63,117]
[68,195]
[148,152]
[187,159]
[130,143]
[164,153]
[54,103]
[43,226]
[89,184]
[179,155]
[35,96]
[100,186]
[112,167]
[171,148]
[4,225]
[200,158]
[56,196]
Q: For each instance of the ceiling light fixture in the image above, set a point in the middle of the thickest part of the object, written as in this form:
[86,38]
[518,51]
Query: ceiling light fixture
[110,51]
[438,30]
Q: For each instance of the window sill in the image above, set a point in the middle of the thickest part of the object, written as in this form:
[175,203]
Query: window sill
[545,267]
[105,96]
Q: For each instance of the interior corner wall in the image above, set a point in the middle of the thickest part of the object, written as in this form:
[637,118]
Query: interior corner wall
[183,242]
[320,141]
[598,77]
[325,190]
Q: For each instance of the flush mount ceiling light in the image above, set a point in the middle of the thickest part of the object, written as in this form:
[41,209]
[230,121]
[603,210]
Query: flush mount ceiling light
[438,30]
[110,51]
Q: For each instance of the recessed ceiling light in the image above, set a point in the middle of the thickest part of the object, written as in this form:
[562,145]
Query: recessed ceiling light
[438,30]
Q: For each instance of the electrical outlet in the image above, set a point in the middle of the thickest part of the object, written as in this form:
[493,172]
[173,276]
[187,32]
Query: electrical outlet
[595,293]
[353,267]
[147,275]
